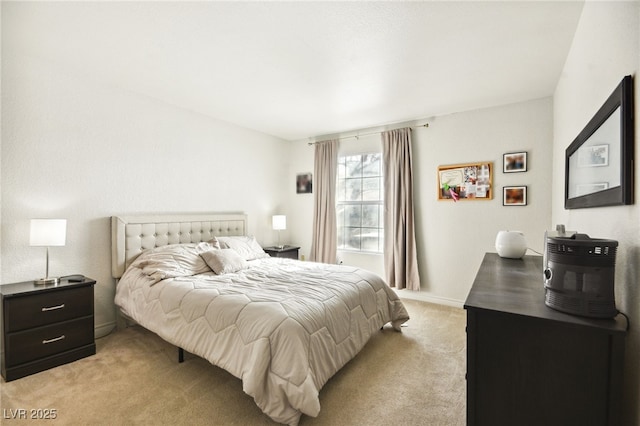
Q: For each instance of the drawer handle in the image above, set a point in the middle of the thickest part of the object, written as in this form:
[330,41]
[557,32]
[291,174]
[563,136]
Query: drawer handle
[44,342]
[53,308]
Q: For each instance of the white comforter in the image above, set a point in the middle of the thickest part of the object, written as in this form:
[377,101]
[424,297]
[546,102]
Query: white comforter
[282,326]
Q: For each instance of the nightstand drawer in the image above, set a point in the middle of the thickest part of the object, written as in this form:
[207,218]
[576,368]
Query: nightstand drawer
[48,307]
[29,345]
[288,254]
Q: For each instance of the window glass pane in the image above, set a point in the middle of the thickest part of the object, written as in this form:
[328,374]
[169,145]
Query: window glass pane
[353,190]
[341,168]
[340,225]
[369,239]
[371,165]
[371,189]
[353,215]
[352,238]
[340,215]
[370,216]
[340,190]
[354,166]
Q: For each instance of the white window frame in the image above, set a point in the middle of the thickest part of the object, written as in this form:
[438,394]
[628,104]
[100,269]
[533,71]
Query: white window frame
[343,203]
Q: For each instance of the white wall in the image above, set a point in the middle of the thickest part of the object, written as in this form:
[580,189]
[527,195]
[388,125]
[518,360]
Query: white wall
[453,237]
[84,150]
[606,47]
[0,145]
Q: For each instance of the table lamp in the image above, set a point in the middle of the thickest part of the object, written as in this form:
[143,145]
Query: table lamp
[279,222]
[48,233]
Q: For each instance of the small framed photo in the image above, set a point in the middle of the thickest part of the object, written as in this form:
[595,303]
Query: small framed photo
[515,162]
[303,183]
[514,195]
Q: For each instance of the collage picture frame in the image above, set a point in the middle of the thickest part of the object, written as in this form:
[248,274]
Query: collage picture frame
[469,181]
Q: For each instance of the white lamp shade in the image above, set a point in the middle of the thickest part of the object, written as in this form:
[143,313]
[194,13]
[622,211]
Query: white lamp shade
[279,222]
[48,232]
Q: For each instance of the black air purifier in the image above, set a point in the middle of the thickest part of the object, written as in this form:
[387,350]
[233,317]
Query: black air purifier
[579,275]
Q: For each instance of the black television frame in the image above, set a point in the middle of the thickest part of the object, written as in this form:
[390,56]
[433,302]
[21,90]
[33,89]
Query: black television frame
[622,97]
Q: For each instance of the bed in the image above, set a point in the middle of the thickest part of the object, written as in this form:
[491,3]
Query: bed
[282,326]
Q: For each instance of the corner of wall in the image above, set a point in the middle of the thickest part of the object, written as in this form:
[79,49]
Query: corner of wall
[605,49]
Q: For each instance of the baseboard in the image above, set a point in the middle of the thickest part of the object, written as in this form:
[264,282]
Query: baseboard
[418,295]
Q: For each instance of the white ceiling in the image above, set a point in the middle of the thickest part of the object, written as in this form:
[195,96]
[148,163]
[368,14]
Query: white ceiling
[303,69]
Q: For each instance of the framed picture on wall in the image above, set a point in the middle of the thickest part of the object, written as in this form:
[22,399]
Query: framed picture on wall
[470,181]
[304,183]
[514,195]
[515,162]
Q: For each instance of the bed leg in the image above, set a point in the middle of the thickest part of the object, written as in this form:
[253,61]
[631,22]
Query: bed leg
[180,355]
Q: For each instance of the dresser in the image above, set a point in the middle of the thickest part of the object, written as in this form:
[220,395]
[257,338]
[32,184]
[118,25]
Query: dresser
[528,364]
[44,326]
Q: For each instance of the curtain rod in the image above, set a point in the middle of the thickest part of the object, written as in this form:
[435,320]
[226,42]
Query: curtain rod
[367,134]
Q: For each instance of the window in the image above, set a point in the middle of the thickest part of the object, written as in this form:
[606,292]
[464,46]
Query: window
[359,203]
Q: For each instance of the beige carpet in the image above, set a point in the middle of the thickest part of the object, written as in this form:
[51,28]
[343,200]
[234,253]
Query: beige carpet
[411,378]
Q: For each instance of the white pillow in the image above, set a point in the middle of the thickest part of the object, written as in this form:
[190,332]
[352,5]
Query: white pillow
[224,261]
[214,242]
[175,260]
[245,246]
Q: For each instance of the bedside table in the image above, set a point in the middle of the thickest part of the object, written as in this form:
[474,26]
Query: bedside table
[45,325]
[289,252]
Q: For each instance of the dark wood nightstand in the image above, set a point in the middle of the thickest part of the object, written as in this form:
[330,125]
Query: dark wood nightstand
[46,325]
[289,252]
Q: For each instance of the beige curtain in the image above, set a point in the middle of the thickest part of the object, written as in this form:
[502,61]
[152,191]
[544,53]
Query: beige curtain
[400,258]
[324,243]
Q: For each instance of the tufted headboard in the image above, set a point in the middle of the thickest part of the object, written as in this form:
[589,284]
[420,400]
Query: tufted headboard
[130,235]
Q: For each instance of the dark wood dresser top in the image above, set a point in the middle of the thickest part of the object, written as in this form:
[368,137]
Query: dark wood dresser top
[516,286]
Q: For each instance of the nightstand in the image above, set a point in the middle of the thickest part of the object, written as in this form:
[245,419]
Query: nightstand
[45,325]
[289,252]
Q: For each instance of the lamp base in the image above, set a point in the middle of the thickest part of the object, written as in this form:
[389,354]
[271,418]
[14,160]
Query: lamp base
[47,280]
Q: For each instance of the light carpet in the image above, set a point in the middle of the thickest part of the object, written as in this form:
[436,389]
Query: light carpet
[411,378]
